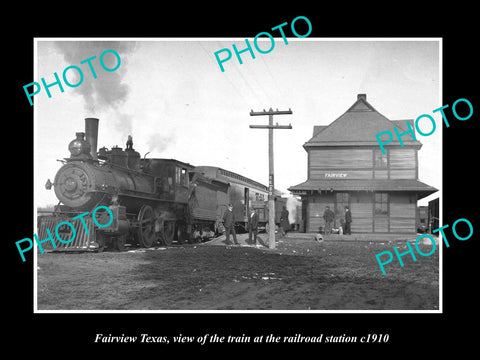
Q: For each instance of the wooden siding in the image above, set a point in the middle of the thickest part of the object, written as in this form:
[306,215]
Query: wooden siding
[361,206]
[352,163]
[341,158]
[361,225]
[405,225]
[403,174]
[380,174]
[402,158]
[403,211]
[403,163]
[381,224]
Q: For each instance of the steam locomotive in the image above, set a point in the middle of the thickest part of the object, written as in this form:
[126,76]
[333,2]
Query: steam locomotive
[153,201]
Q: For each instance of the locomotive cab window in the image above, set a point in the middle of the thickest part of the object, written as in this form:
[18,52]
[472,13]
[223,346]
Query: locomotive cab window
[181,176]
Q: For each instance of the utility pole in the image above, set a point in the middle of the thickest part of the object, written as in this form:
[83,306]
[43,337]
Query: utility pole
[271,197]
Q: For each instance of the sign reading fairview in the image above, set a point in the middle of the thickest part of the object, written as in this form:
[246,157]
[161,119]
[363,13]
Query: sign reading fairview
[335,175]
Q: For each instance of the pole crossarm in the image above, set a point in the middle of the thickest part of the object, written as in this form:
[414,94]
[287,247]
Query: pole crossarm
[271,127]
[271,112]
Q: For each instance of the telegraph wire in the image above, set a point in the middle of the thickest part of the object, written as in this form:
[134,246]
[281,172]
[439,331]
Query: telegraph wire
[254,93]
[280,93]
[261,87]
[228,79]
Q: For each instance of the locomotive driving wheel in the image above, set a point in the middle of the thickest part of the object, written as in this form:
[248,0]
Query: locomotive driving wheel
[181,232]
[146,226]
[168,232]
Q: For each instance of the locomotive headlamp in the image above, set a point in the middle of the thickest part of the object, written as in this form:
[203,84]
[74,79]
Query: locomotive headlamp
[75,148]
[79,146]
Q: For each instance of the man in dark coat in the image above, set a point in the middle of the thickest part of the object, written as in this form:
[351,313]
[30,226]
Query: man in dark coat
[252,226]
[229,224]
[284,222]
[348,221]
[328,216]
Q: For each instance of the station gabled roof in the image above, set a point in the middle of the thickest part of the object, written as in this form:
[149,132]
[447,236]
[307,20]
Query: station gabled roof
[358,126]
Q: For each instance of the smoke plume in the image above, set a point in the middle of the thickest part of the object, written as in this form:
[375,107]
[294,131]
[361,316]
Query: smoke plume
[107,91]
[160,142]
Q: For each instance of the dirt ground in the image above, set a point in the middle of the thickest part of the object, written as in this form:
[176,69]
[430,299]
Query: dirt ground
[300,274]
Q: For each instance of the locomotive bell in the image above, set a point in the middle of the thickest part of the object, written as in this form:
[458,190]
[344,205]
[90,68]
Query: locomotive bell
[79,146]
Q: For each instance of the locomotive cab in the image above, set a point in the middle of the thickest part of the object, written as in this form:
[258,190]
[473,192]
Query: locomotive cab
[173,177]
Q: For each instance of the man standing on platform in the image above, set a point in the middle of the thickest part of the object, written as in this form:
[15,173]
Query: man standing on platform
[229,224]
[348,221]
[252,226]
[284,222]
[328,216]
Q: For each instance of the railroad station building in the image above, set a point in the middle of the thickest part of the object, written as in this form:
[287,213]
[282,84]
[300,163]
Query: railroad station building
[346,167]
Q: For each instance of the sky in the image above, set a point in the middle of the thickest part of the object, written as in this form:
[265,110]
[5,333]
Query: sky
[174,100]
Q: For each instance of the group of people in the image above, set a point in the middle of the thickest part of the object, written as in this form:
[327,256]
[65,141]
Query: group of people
[328,216]
[345,223]
[252,224]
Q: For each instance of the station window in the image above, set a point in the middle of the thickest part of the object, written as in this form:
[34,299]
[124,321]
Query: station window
[380,160]
[381,204]
[342,201]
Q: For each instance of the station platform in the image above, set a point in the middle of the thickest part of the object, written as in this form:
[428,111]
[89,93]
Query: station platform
[370,237]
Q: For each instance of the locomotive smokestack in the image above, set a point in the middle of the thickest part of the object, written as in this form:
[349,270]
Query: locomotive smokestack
[91,135]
